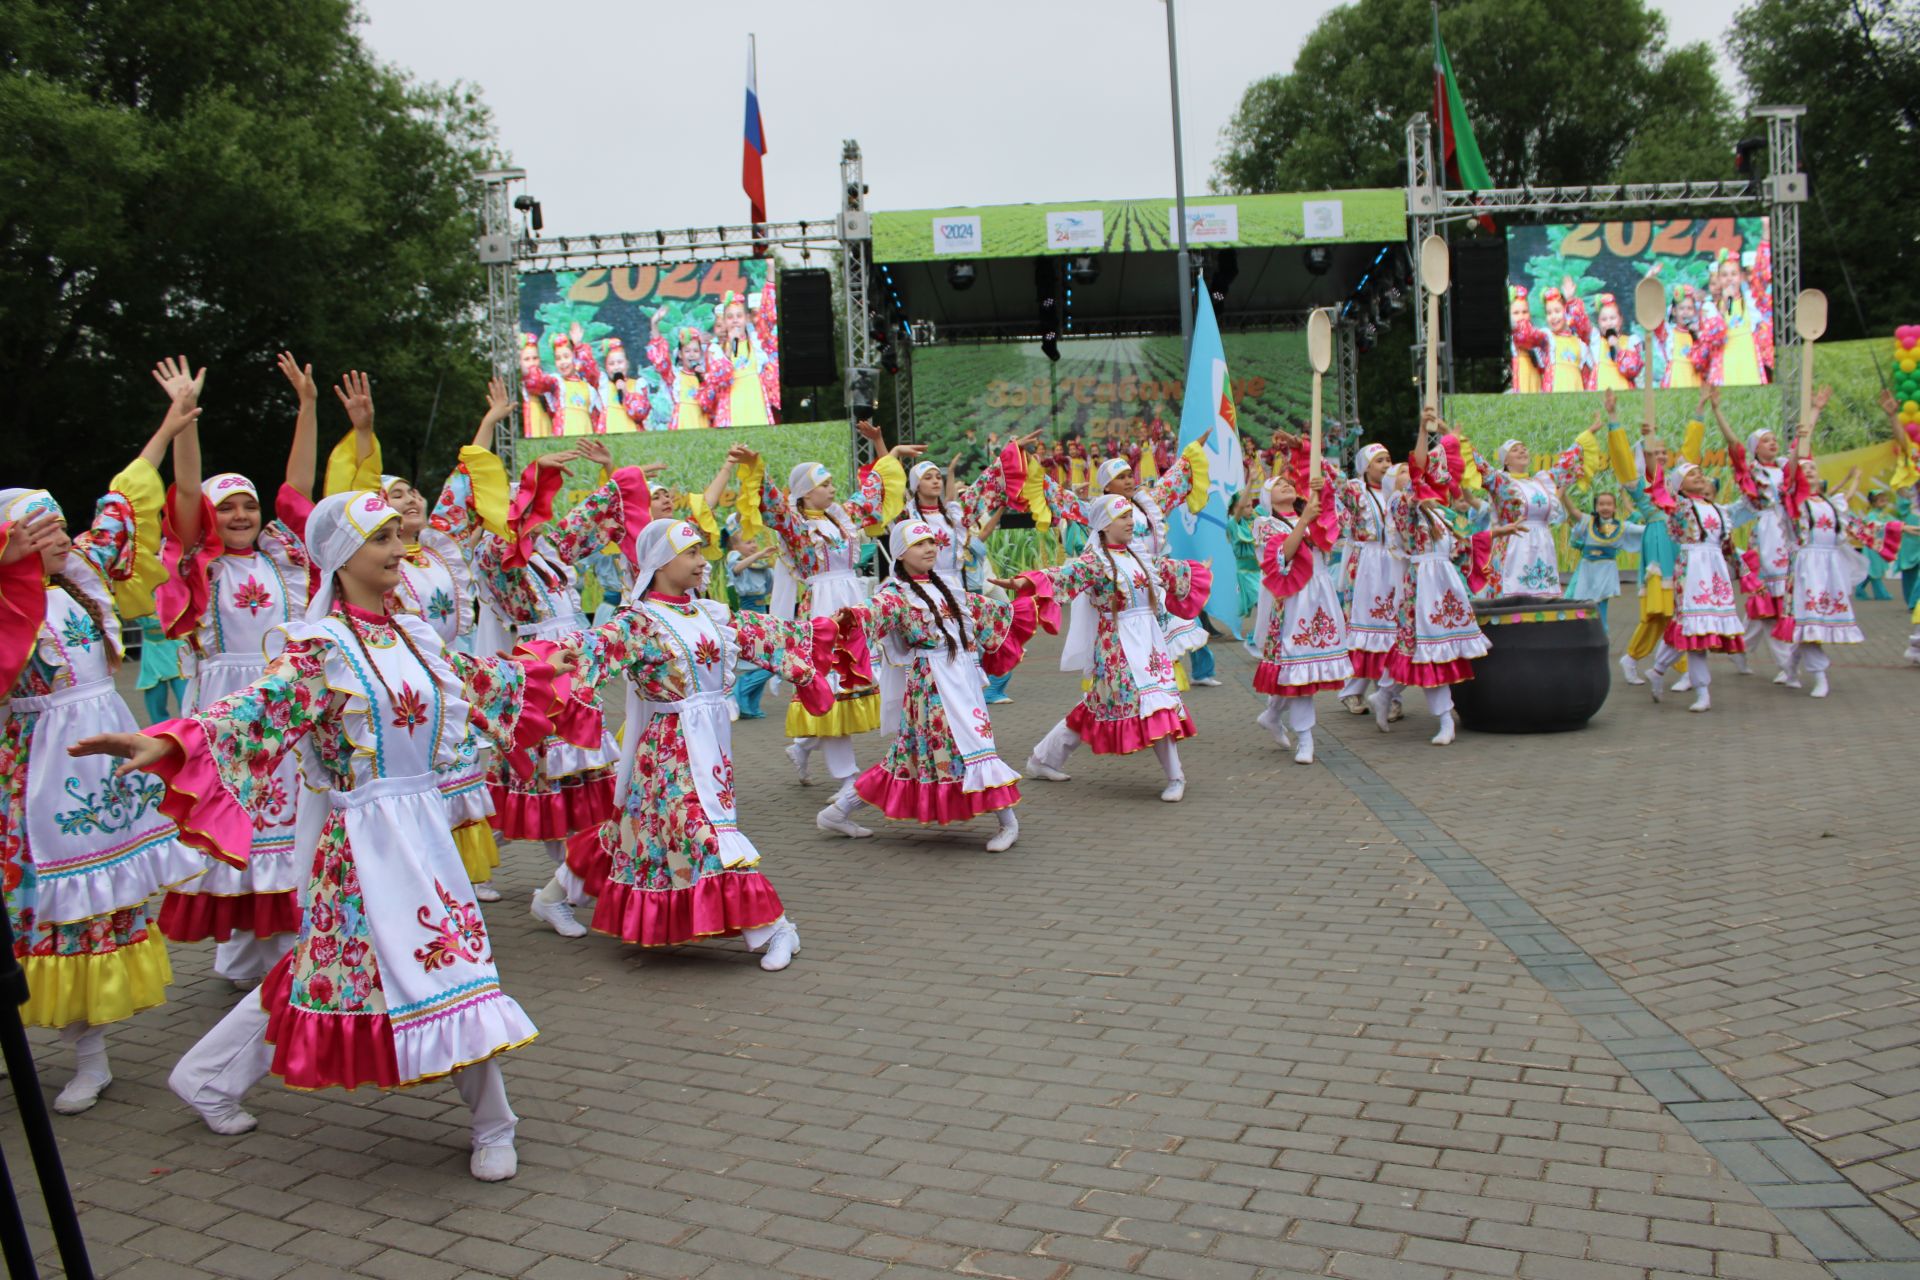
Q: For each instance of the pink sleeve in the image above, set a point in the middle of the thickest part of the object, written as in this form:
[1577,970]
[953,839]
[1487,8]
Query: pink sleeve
[23,608]
[531,508]
[210,819]
[183,599]
[291,507]
[1284,578]
[1479,558]
[1007,655]
[1189,603]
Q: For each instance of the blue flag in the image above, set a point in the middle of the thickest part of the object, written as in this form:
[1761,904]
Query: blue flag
[1207,415]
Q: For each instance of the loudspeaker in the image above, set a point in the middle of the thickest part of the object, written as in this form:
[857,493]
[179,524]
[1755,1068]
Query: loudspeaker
[806,328]
[1479,299]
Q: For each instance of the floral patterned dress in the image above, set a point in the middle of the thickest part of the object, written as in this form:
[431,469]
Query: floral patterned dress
[1375,568]
[1706,609]
[1304,649]
[393,980]
[680,868]
[1437,636]
[1132,701]
[80,850]
[943,765]
[226,603]
[1770,546]
[1527,563]
[1825,572]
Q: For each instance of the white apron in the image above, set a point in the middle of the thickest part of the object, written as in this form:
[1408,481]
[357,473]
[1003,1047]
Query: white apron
[1771,539]
[1379,569]
[1530,563]
[1444,627]
[1825,572]
[1705,602]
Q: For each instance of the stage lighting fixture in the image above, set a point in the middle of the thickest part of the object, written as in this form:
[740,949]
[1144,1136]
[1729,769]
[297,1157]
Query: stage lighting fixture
[531,207]
[1083,270]
[961,275]
[1319,259]
[1223,269]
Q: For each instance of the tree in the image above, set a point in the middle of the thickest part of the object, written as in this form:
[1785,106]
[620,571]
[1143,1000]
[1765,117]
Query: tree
[227,179]
[1855,64]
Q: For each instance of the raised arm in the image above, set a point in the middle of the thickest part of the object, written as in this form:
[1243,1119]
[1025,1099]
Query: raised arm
[173,376]
[303,453]
[498,407]
[356,397]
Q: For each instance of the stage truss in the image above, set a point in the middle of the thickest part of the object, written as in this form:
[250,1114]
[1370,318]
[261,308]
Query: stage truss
[1431,207]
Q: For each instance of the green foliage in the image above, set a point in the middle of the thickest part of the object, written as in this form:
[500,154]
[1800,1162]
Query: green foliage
[227,179]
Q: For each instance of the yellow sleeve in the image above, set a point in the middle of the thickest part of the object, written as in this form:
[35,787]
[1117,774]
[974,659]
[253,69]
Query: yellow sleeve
[488,475]
[1591,454]
[140,485]
[1693,443]
[893,487]
[1033,492]
[1470,477]
[702,514]
[1620,456]
[747,505]
[347,472]
[1199,477]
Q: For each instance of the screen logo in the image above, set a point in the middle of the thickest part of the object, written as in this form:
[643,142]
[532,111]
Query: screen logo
[1081,229]
[957,235]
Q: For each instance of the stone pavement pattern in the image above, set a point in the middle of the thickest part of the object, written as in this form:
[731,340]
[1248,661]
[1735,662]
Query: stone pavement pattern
[1291,1027]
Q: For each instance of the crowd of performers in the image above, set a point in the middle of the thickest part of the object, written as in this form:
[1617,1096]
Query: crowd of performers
[379,686]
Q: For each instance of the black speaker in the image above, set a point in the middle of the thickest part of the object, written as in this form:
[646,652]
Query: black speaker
[1479,298]
[806,329]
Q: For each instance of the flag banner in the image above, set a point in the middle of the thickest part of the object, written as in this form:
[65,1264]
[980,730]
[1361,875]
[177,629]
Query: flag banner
[752,180]
[1207,415]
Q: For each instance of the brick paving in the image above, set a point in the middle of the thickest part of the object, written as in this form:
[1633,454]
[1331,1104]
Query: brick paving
[1385,1017]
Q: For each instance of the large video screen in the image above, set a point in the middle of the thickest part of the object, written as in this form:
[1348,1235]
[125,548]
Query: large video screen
[646,347]
[1571,322]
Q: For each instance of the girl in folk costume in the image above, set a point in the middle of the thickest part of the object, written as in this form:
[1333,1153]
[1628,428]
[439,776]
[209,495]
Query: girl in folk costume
[570,395]
[1600,538]
[81,850]
[822,537]
[1685,352]
[943,766]
[1616,355]
[393,981]
[531,575]
[1745,357]
[627,401]
[952,512]
[1760,471]
[682,371]
[1132,701]
[1706,616]
[234,580]
[1526,344]
[1659,559]
[687,871]
[1437,637]
[1375,567]
[1525,561]
[1301,628]
[1826,568]
[742,386]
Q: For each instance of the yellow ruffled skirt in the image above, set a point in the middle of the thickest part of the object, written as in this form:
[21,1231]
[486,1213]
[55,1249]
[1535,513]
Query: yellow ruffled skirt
[96,989]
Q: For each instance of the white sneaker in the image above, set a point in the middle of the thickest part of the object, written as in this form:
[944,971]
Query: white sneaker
[1174,791]
[1381,700]
[1355,704]
[1206,682]
[802,764]
[1035,769]
[1303,754]
[494,1164]
[81,1093]
[1820,685]
[831,819]
[782,947]
[1445,736]
[244,984]
[1657,683]
[485,893]
[559,916]
[1683,685]
[1007,834]
[1702,701]
[1631,669]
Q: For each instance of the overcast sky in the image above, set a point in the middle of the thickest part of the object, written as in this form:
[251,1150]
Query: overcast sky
[627,117]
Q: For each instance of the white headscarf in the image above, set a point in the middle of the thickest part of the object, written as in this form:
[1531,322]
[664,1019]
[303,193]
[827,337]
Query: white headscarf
[1107,509]
[805,478]
[906,533]
[1500,458]
[387,482]
[1679,473]
[339,526]
[1364,459]
[914,477]
[1753,442]
[17,504]
[659,543]
[223,486]
[1108,470]
[1265,500]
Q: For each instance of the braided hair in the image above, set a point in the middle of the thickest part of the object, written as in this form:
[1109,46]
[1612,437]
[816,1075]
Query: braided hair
[946,598]
[104,619]
[353,626]
[1113,567]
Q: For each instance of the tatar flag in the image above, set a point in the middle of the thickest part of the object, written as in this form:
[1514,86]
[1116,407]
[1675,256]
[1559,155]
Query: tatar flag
[755,147]
[1207,416]
[1459,152]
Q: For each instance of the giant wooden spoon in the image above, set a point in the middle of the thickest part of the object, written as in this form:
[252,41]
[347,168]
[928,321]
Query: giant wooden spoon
[1650,309]
[1434,274]
[1320,356]
[1809,321]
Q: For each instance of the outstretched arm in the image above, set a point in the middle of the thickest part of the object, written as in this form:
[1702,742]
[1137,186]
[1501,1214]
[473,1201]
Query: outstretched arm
[718,485]
[302,454]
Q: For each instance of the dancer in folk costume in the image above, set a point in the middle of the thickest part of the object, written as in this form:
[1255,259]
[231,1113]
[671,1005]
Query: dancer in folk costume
[1706,613]
[235,578]
[1302,629]
[531,575]
[1831,546]
[1600,537]
[1438,637]
[741,387]
[437,586]
[680,867]
[822,537]
[1525,561]
[1658,555]
[393,981]
[1132,702]
[570,395]
[943,766]
[81,849]
[950,509]
[1374,569]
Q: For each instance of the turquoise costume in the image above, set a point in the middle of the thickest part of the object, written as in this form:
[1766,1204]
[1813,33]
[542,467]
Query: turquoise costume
[1600,543]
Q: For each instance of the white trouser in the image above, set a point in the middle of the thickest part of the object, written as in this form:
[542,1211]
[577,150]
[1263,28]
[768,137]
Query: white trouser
[839,754]
[233,1057]
[246,957]
[1169,757]
[760,935]
[1811,657]
[1782,650]
[1666,655]
[1059,743]
[1440,700]
[1357,686]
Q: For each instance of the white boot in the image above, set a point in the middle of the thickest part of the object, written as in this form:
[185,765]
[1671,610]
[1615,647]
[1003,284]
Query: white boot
[1631,669]
[782,947]
[91,1074]
[1303,753]
[1009,831]
[485,892]
[550,906]
[1355,704]
[1820,684]
[834,819]
[494,1164]
[1702,700]
[1657,683]
[802,763]
[1445,736]
[1174,791]
[1381,700]
[1274,721]
[1036,769]
[1684,684]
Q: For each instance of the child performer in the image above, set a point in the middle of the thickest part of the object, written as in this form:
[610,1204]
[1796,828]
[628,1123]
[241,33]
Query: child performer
[823,537]
[1825,567]
[742,385]
[1878,515]
[750,575]
[1526,562]
[682,373]
[1600,537]
[393,981]
[1132,702]
[1302,631]
[688,872]
[1375,568]
[163,681]
[951,516]
[1758,467]
[943,766]
[1438,636]
[1705,619]
[235,579]
[82,849]
[1658,556]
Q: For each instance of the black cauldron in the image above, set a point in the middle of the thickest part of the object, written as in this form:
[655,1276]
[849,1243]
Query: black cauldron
[1546,671]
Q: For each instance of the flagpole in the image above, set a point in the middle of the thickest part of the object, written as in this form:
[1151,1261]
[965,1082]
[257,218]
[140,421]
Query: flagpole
[1180,196]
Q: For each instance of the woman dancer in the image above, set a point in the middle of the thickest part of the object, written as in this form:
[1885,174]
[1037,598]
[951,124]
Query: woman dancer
[1302,629]
[943,766]
[1706,617]
[393,982]
[235,578]
[1525,561]
[951,512]
[1132,702]
[1437,636]
[822,537]
[81,849]
[1826,568]
[1375,568]
[687,871]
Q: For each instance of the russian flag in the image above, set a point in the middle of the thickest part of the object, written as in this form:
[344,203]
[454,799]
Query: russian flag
[755,146]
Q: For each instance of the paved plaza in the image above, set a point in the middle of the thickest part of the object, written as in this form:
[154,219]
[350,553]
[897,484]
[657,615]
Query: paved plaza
[1633,1003]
